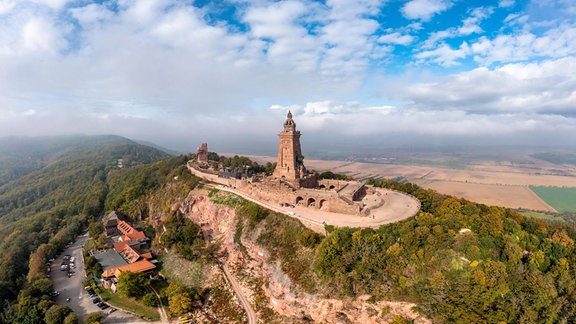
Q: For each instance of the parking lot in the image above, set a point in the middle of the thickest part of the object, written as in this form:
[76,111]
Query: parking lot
[71,290]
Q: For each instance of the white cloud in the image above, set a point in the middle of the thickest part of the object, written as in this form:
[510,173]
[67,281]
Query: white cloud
[39,35]
[285,41]
[6,6]
[377,120]
[555,43]
[424,9]
[91,14]
[471,24]
[54,4]
[348,37]
[396,38]
[506,3]
[536,88]
[444,54]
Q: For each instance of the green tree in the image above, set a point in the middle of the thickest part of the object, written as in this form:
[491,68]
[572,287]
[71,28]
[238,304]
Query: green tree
[132,284]
[41,287]
[150,300]
[94,318]
[56,314]
[95,229]
[71,319]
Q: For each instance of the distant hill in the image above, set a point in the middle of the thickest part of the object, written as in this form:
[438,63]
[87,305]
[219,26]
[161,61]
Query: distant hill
[20,156]
[52,186]
[161,148]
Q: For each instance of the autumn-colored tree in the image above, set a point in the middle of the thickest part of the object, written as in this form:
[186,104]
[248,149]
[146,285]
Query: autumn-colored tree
[94,318]
[132,284]
[37,264]
[71,319]
[56,314]
[180,303]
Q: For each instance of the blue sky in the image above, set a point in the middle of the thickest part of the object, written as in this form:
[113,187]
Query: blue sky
[376,72]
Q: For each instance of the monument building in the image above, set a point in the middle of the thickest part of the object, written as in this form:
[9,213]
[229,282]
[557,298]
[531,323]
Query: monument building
[291,184]
[290,164]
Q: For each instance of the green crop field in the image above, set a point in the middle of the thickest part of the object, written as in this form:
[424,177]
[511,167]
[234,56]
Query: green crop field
[562,199]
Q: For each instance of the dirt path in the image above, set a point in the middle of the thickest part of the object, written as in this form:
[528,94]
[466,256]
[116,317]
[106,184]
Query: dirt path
[161,311]
[241,298]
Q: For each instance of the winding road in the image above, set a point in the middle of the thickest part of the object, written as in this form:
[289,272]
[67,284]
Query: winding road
[241,298]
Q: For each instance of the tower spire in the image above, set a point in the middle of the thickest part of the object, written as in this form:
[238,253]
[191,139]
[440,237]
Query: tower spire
[290,164]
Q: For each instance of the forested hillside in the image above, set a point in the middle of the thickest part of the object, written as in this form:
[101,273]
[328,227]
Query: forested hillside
[49,189]
[459,261]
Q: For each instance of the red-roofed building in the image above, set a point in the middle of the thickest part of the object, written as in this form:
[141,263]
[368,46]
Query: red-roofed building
[130,254]
[129,232]
[139,266]
[128,245]
[130,236]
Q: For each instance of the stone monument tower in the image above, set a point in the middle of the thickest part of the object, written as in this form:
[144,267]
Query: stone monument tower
[290,166]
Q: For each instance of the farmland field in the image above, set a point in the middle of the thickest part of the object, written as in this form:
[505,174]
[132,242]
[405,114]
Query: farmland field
[493,177]
[562,199]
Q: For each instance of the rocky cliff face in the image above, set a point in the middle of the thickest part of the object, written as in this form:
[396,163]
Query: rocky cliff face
[274,295]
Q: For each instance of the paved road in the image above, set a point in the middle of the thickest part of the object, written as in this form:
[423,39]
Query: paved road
[73,288]
[241,298]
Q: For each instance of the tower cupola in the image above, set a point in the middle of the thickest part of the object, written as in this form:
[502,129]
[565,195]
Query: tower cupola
[289,124]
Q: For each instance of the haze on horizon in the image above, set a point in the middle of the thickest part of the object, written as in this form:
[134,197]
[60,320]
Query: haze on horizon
[367,72]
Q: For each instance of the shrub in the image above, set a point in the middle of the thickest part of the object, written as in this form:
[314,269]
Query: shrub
[150,300]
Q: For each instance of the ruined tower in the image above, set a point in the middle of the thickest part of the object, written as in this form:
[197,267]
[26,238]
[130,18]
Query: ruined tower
[290,165]
[202,153]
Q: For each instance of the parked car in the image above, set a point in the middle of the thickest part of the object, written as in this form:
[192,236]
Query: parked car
[103,306]
[111,310]
[96,300]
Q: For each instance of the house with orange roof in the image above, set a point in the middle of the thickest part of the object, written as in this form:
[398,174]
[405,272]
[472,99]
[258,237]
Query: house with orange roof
[139,266]
[127,246]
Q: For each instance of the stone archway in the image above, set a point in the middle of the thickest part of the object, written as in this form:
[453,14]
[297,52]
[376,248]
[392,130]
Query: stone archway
[322,186]
[331,187]
[298,200]
[311,202]
[322,204]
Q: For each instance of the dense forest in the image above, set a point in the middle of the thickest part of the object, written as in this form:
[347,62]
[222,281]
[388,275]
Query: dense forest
[50,189]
